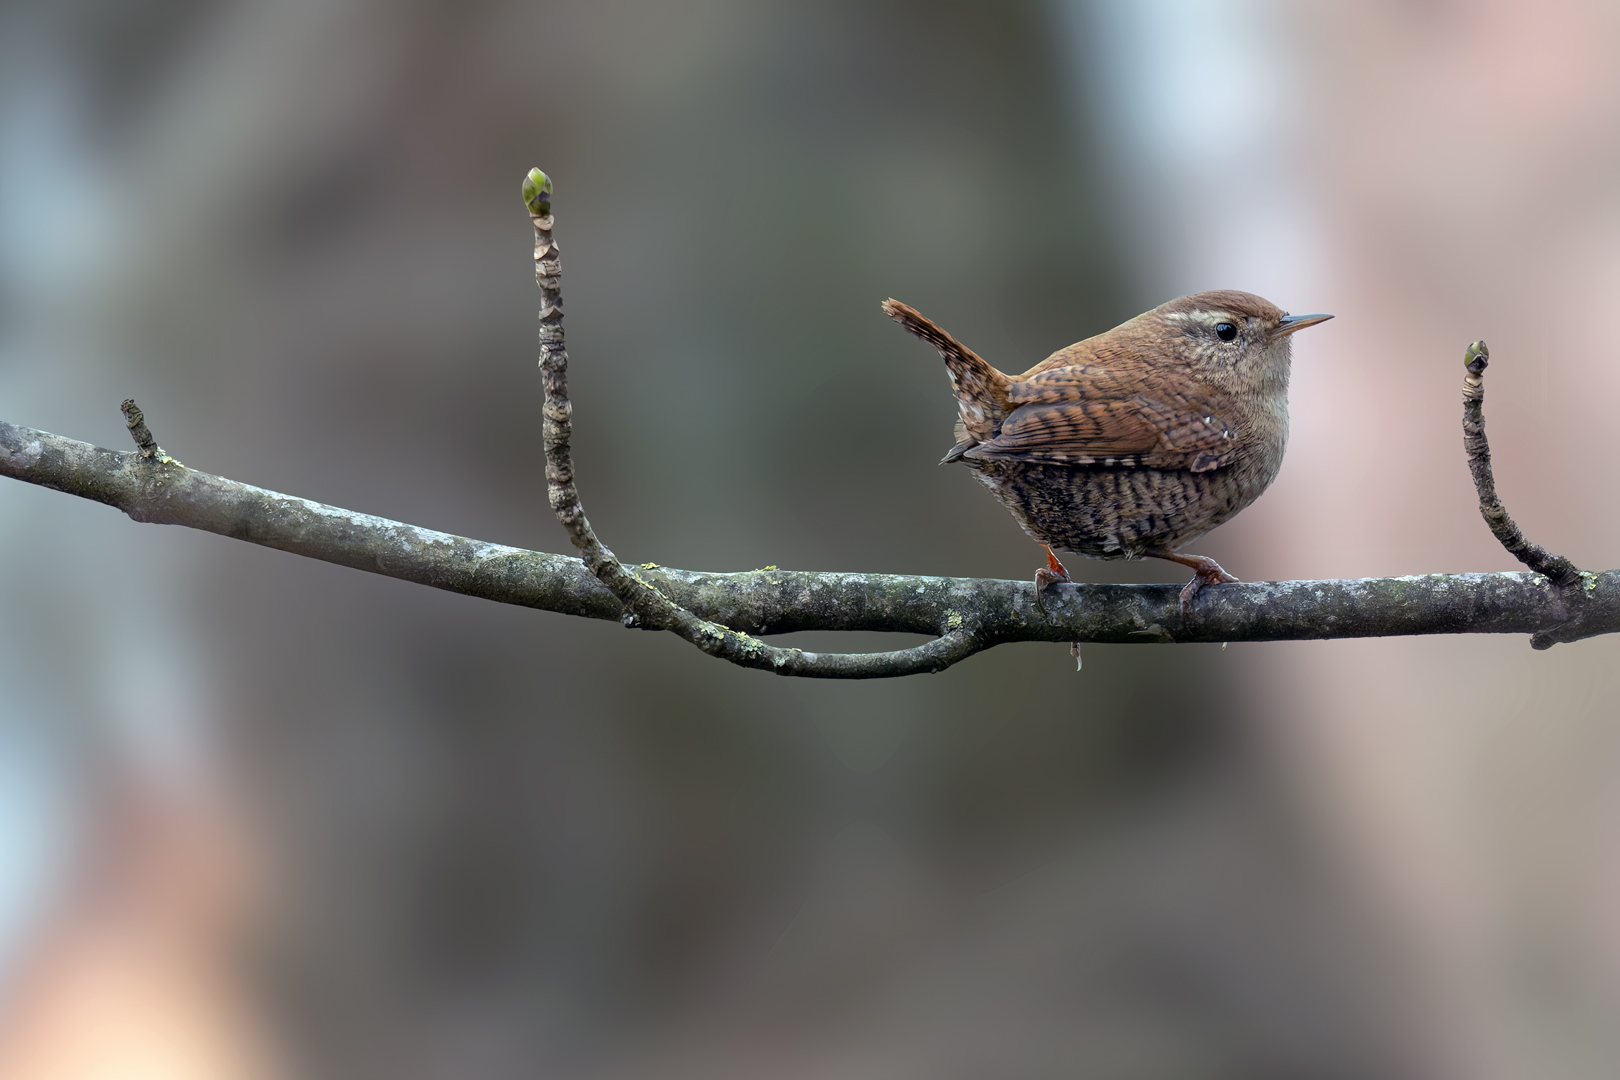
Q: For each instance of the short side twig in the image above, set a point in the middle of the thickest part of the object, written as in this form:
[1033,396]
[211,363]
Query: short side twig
[1556,568]
[645,606]
[148,447]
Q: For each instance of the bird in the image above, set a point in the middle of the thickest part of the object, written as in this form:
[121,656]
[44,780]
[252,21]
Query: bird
[1137,441]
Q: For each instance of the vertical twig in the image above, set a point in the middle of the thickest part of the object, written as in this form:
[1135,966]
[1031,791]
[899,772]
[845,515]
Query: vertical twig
[135,420]
[557,412]
[645,606]
[1559,570]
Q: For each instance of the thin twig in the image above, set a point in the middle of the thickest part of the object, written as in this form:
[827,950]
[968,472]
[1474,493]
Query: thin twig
[1556,568]
[645,606]
[148,447]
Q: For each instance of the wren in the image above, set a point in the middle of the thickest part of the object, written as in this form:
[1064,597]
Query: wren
[1135,442]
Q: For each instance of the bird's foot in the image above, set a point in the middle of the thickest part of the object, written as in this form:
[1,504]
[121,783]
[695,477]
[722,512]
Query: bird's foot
[1206,571]
[1052,573]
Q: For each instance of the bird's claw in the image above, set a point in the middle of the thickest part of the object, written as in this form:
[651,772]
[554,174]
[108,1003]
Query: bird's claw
[1053,573]
[1206,572]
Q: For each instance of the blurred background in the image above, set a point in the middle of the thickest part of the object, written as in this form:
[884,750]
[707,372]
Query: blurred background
[261,817]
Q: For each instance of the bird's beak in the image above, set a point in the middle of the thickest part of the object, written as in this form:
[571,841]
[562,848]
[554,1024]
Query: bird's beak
[1289,323]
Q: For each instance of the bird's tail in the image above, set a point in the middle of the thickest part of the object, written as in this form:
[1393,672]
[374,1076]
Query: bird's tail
[981,390]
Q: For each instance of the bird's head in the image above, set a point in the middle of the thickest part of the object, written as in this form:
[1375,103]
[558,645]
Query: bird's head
[1231,339]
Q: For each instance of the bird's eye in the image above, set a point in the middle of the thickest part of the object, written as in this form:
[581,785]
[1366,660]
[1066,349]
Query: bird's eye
[1225,331]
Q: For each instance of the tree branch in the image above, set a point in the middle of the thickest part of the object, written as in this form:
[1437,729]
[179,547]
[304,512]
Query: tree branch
[722,613]
[764,602]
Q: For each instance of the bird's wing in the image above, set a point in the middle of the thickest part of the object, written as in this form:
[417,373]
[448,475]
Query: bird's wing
[1085,415]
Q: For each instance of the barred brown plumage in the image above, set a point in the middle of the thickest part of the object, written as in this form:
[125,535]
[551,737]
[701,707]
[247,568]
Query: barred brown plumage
[1134,442]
